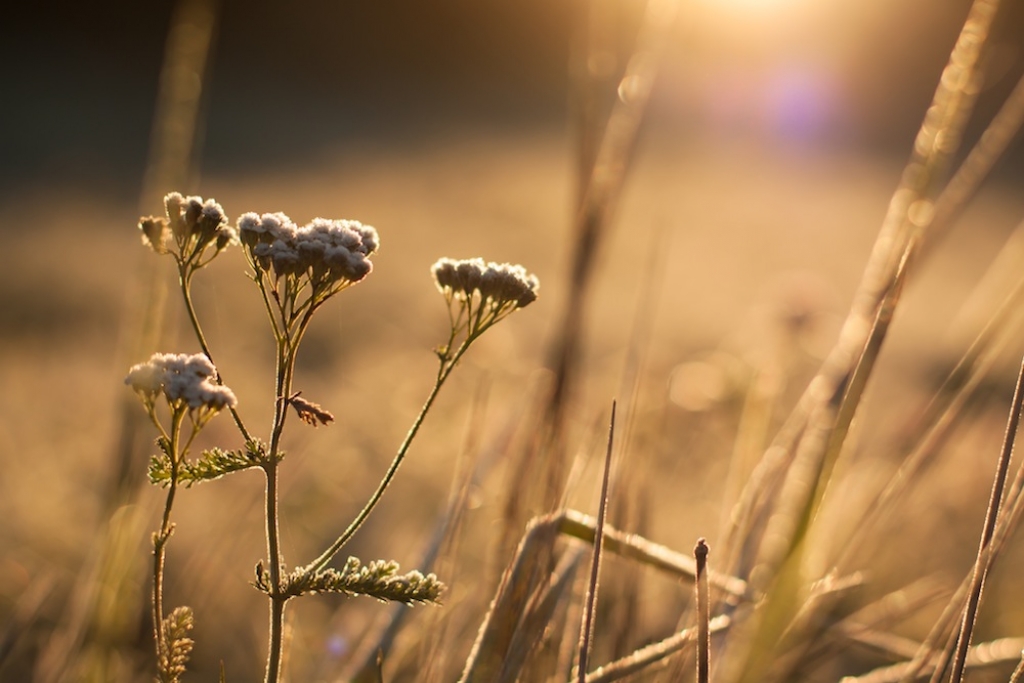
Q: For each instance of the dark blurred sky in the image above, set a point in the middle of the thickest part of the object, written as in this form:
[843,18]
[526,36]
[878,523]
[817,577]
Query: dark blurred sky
[291,79]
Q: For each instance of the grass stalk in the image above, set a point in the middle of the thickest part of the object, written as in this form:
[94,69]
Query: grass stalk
[940,417]
[587,628]
[652,654]
[700,553]
[604,166]
[983,561]
[1018,673]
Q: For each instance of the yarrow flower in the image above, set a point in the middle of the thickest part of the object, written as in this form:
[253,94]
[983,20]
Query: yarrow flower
[480,294]
[497,285]
[332,254]
[191,225]
[186,381]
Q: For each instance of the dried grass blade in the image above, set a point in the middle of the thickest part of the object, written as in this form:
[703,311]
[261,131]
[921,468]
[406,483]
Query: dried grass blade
[599,193]
[1018,673]
[862,627]
[940,416]
[700,553]
[486,659]
[984,561]
[539,614]
[999,134]
[590,609]
[583,527]
[983,655]
[651,654]
[909,215]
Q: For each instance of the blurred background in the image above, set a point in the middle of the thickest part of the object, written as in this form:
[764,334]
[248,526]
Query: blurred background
[776,133]
[293,85]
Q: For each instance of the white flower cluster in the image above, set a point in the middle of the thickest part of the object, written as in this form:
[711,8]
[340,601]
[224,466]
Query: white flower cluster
[183,379]
[326,250]
[192,223]
[499,285]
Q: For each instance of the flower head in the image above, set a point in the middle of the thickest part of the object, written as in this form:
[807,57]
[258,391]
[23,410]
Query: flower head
[496,285]
[480,294]
[191,224]
[329,254]
[188,382]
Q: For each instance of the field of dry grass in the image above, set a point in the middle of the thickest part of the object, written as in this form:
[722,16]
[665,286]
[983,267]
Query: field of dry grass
[717,295]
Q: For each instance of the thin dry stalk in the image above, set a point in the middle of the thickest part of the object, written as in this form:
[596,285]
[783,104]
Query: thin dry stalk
[1018,673]
[994,653]
[941,416]
[587,628]
[700,553]
[652,654]
[943,630]
[910,213]
[999,134]
[497,631]
[599,195]
[862,626]
[540,613]
[631,546]
[983,562]
[170,164]
[487,658]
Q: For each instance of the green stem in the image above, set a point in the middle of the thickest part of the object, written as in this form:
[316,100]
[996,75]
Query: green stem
[272,526]
[442,374]
[185,280]
[164,534]
[287,348]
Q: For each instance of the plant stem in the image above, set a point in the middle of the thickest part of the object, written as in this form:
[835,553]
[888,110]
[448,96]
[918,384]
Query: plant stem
[590,610]
[981,566]
[447,365]
[185,280]
[700,552]
[287,349]
[272,527]
[161,537]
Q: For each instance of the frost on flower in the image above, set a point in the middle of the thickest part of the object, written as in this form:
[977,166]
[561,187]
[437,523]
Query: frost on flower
[184,380]
[330,253]
[189,226]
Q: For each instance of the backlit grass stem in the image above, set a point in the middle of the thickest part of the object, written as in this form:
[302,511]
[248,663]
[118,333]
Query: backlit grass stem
[700,553]
[983,563]
[587,628]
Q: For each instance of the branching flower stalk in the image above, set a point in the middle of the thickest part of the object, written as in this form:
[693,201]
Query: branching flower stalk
[187,232]
[296,271]
[184,383]
[478,295]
